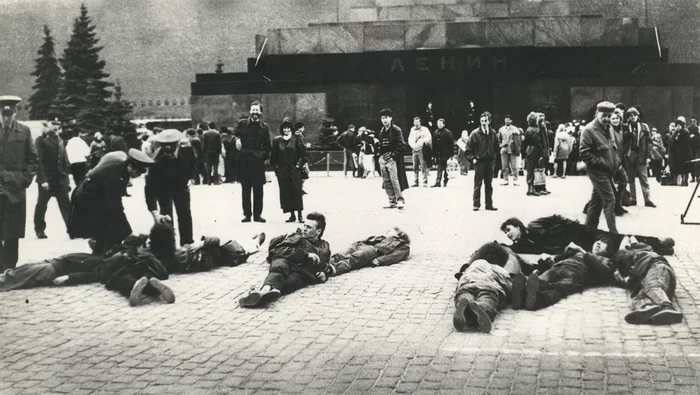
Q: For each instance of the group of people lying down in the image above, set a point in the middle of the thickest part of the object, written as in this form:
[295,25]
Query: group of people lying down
[496,275]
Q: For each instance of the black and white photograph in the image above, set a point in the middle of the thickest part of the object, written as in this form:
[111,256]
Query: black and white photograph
[269,197]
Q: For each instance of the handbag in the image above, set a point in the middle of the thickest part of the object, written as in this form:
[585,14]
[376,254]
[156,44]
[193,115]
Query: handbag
[666,178]
[452,168]
[540,178]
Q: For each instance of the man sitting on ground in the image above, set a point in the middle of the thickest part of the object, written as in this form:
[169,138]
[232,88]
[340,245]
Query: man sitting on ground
[651,281]
[296,260]
[393,247]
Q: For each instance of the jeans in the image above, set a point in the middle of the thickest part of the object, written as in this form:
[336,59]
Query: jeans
[420,165]
[488,299]
[353,259]
[181,199]
[636,170]
[284,277]
[658,288]
[483,173]
[348,159]
[257,190]
[602,199]
[28,276]
[509,166]
[391,179]
[61,195]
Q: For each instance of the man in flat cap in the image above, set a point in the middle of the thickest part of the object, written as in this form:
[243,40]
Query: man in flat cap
[168,181]
[598,150]
[96,205]
[18,166]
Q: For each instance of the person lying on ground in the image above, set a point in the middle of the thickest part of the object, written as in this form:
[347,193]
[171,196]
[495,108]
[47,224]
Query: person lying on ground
[383,250]
[482,291]
[552,234]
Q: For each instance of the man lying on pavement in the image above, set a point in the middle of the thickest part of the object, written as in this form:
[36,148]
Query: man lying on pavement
[383,250]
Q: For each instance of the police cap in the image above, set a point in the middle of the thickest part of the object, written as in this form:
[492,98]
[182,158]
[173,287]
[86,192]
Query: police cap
[168,136]
[8,102]
[140,157]
[605,106]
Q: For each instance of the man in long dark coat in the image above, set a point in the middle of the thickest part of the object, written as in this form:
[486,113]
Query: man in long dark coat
[391,165]
[96,205]
[255,147]
[167,181]
[18,165]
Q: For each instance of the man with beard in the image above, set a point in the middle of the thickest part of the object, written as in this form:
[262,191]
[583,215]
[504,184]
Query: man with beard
[167,181]
[391,146]
[443,149]
[552,234]
[570,273]
[383,250]
[598,152]
[296,260]
[255,148]
[651,281]
[481,150]
[637,145]
[19,163]
[96,205]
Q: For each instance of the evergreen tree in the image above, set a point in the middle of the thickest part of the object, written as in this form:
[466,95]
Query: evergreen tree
[48,80]
[84,93]
[119,109]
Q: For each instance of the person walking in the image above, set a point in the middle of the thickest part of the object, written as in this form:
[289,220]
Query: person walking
[19,163]
[598,152]
[391,146]
[418,137]
[482,149]
[254,141]
[52,179]
[287,160]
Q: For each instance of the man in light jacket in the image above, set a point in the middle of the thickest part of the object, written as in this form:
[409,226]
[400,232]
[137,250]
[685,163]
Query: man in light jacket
[509,141]
[638,145]
[417,139]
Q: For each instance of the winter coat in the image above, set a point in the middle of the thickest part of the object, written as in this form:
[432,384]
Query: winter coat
[443,145]
[599,149]
[679,152]
[53,161]
[481,146]
[255,149]
[287,159]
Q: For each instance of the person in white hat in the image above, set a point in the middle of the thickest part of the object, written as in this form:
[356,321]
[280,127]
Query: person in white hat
[19,163]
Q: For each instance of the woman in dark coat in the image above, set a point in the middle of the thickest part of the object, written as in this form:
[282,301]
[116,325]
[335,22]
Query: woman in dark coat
[679,152]
[287,159]
[96,205]
[533,151]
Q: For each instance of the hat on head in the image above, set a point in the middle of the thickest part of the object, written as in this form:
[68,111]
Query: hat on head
[632,111]
[168,136]
[386,112]
[140,157]
[605,106]
[8,102]
[681,119]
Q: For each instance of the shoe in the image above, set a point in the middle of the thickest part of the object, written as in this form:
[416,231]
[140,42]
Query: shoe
[246,219]
[391,205]
[250,300]
[518,290]
[505,183]
[482,318]
[415,185]
[668,242]
[137,290]
[619,212]
[270,296]
[400,204]
[476,208]
[165,292]
[667,316]
[667,251]
[291,219]
[649,204]
[260,238]
[633,203]
[436,186]
[643,315]
[530,193]
[301,220]
[459,320]
[444,183]
[41,235]
[545,192]
[303,192]
[491,208]
[260,219]
[532,288]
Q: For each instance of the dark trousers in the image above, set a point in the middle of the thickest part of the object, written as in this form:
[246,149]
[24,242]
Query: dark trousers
[257,190]
[486,297]
[230,162]
[656,168]
[200,174]
[181,200]
[284,277]
[602,200]
[212,168]
[530,166]
[124,283]
[483,174]
[441,171]
[9,254]
[556,284]
[61,195]
[78,170]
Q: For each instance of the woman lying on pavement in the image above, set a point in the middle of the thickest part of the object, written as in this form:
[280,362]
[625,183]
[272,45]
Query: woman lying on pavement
[651,281]
[383,250]
[552,234]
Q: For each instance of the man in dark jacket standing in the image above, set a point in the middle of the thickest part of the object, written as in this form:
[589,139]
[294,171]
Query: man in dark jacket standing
[18,165]
[347,140]
[482,149]
[255,148]
[599,152]
[637,145]
[211,145]
[443,149]
[52,179]
[196,144]
[391,145]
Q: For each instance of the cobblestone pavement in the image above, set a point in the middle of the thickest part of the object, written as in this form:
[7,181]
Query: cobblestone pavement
[382,330]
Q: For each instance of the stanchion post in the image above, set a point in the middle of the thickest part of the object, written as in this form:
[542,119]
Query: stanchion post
[328,164]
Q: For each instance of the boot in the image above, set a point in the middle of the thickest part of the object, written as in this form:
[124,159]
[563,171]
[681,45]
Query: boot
[292,218]
[300,217]
[463,317]
[530,190]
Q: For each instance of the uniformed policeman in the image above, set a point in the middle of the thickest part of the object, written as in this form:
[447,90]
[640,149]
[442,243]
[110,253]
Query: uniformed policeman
[18,166]
[168,181]
[96,205]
